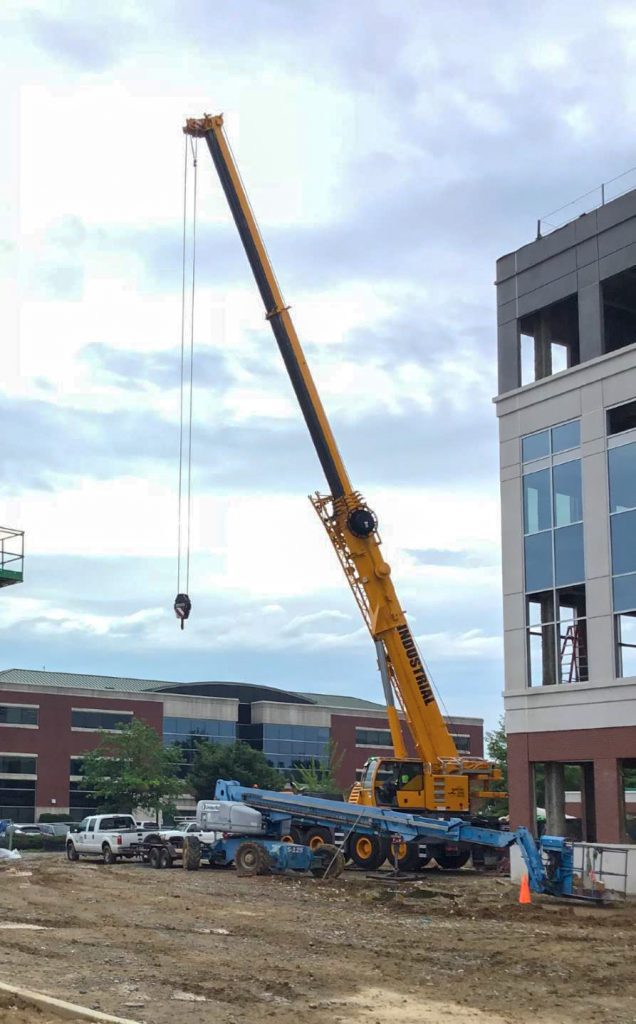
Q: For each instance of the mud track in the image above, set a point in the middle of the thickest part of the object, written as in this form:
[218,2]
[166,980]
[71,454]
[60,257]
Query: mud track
[151,945]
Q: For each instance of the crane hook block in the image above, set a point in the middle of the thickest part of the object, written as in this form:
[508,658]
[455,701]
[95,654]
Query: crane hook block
[182,607]
[362,521]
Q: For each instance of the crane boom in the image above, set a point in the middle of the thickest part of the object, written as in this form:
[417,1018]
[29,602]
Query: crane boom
[349,522]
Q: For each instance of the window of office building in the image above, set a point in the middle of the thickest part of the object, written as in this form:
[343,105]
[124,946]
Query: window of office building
[18,779]
[289,747]
[18,715]
[89,719]
[373,737]
[462,742]
[187,732]
[621,460]
[81,801]
[554,564]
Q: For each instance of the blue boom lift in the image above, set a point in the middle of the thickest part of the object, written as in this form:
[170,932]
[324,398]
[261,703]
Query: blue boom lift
[252,824]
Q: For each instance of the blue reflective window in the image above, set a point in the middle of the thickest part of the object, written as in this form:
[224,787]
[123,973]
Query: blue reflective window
[538,550]
[625,593]
[535,446]
[622,477]
[623,529]
[569,562]
[566,436]
[537,502]
[566,486]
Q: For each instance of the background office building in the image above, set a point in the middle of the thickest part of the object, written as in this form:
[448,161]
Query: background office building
[567,423]
[48,720]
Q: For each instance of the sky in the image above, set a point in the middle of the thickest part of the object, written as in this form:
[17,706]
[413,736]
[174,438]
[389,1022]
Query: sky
[391,151]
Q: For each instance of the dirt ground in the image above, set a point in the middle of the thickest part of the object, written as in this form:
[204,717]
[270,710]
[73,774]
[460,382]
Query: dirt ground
[157,946]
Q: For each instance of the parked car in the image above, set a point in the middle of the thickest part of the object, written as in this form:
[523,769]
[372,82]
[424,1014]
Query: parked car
[114,836]
[24,830]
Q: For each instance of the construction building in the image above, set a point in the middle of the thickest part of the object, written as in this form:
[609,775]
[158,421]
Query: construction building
[48,720]
[567,423]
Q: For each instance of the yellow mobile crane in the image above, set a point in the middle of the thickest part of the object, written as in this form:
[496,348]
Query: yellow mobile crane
[438,779]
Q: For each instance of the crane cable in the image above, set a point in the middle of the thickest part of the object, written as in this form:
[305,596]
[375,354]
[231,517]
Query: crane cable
[183,604]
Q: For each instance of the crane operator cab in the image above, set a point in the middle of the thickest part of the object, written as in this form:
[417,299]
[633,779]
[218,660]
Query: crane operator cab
[409,785]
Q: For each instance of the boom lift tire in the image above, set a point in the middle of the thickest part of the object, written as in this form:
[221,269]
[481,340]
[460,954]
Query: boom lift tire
[251,859]
[368,852]
[191,854]
[317,837]
[331,862]
[452,861]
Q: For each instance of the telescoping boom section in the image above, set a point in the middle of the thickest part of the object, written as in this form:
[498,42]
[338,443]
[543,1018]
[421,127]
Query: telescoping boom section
[549,866]
[446,781]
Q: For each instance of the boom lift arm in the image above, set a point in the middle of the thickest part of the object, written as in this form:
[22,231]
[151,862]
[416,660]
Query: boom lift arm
[351,525]
[549,864]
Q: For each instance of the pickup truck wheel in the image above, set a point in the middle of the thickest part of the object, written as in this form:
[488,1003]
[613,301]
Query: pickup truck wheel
[252,859]
[109,856]
[153,857]
[71,852]
[367,852]
[165,860]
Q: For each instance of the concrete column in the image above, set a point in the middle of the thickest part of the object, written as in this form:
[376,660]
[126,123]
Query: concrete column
[508,356]
[588,809]
[610,811]
[554,798]
[590,322]
[520,783]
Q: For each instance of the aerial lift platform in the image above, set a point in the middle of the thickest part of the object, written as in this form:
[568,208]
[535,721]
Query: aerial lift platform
[11,556]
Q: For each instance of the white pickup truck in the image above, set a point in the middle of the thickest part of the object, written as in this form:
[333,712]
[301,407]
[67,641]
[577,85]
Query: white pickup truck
[114,836]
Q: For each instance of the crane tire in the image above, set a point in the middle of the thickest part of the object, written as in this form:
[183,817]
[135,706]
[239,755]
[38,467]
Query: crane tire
[452,861]
[191,854]
[408,858]
[252,859]
[367,852]
[295,834]
[330,862]
[317,837]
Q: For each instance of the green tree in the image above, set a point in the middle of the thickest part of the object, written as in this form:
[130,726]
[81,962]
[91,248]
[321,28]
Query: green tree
[319,778]
[497,748]
[132,768]
[213,761]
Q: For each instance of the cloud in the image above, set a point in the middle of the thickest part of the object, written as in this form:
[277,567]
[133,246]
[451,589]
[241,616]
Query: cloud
[87,43]
[448,559]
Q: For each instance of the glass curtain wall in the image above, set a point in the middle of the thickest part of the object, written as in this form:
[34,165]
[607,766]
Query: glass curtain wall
[621,459]
[554,563]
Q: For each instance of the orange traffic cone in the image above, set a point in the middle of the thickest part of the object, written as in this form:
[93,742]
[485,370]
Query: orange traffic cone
[524,890]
